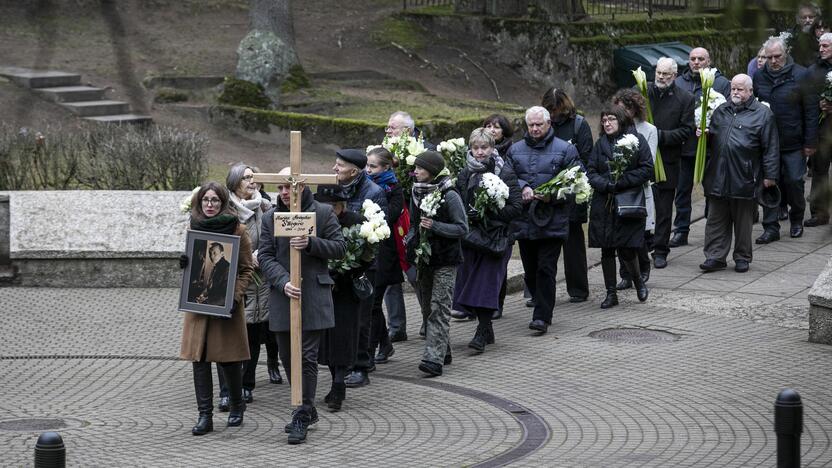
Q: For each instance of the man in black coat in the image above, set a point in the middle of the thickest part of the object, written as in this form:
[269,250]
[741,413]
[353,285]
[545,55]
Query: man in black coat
[673,117]
[785,86]
[218,282]
[691,82]
[820,194]
[743,136]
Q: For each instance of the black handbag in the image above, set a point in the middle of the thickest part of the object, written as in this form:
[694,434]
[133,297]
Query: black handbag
[631,203]
[492,241]
[362,287]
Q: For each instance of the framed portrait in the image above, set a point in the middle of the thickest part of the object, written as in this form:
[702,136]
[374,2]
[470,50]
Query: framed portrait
[208,280]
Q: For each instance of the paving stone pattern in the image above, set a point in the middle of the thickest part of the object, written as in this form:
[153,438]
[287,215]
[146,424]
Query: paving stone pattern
[104,361]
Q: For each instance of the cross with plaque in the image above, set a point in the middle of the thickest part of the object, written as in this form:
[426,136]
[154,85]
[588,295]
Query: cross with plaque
[293,224]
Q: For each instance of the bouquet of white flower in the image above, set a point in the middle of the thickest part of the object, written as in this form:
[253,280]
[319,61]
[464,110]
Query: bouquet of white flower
[622,155]
[185,204]
[572,181]
[428,206]
[715,99]
[362,239]
[454,153]
[405,148]
[490,195]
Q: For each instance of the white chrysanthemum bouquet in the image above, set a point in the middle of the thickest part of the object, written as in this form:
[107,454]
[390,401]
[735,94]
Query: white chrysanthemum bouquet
[362,239]
[490,195]
[453,151]
[572,181]
[428,208]
[622,155]
[404,148]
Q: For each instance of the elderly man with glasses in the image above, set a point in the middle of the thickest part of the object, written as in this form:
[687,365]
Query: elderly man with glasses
[785,86]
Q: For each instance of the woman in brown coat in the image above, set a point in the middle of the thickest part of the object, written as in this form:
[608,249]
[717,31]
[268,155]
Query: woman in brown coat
[207,339]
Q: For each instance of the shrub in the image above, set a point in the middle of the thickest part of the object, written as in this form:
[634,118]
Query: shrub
[101,157]
[168,95]
[244,94]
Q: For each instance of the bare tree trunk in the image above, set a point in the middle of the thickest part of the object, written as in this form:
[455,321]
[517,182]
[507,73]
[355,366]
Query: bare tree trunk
[267,52]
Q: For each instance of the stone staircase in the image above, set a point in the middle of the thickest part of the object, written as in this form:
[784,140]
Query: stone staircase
[66,90]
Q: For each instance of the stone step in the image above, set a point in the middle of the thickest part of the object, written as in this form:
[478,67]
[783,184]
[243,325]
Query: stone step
[41,79]
[71,93]
[97,108]
[121,118]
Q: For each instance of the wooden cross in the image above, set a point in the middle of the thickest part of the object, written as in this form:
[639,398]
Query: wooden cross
[297,180]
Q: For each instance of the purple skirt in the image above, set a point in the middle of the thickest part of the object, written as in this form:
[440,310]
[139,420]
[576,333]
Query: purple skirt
[479,280]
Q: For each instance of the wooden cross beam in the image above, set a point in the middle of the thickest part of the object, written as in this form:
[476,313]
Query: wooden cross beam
[297,180]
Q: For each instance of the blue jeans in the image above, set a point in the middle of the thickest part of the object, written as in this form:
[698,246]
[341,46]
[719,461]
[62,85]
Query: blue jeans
[792,170]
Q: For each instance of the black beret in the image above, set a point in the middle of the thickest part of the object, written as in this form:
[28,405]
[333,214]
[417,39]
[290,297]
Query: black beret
[353,156]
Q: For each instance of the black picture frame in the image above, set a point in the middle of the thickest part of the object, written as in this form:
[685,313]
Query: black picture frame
[208,280]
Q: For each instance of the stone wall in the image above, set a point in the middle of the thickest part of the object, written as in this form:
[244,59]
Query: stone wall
[820,308]
[95,238]
[578,57]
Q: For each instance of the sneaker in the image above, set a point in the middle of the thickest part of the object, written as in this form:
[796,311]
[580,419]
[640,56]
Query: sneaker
[384,354]
[740,266]
[313,418]
[298,427]
[357,379]
[431,368]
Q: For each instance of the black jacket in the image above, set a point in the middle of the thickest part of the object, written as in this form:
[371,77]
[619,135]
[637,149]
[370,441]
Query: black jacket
[794,105]
[744,150]
[389,271]
[581,137]
[606,229]
[673,117]
[449,226]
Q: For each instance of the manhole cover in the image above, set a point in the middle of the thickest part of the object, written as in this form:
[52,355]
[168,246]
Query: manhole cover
[634,335]
[39,424]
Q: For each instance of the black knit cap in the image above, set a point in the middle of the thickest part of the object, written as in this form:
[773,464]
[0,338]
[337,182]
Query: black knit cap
[330,194]
[431,161]
[353,156]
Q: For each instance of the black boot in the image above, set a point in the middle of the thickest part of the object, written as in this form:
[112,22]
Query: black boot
[489,333]
[204,388]
[274,372]
[478,342]
[339,394]
[638,280]
[236,404]
[608,268]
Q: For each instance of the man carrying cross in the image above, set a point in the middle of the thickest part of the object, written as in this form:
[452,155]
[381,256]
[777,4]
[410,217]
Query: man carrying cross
[316,291]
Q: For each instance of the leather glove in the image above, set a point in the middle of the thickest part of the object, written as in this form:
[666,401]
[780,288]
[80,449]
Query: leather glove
[183,261]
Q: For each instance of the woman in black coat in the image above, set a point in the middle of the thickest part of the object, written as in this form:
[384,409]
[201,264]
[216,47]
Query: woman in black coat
[572,127]
[501,130]
[607,230]
[481,275]
[339,345]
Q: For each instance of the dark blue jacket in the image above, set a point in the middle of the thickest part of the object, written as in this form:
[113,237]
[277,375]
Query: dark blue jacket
[367,190]
[794,105]
[535,163]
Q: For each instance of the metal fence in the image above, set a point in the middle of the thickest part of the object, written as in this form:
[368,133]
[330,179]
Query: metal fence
[578,8]
[425,3]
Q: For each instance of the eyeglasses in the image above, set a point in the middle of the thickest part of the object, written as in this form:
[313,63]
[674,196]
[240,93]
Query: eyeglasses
[248,177]
[609,119]
[211,201]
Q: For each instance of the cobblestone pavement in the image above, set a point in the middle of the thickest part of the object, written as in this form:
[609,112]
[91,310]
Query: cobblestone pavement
[103,361]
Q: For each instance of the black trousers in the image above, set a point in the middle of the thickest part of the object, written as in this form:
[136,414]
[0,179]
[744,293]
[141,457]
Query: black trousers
[663,199]
[821,193]
[363,357]
[540,264]
[310,342]
[379,334]
[258,334]
[643,263]
[574,261]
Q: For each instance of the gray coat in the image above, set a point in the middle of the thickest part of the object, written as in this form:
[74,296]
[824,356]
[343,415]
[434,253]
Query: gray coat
[316,289]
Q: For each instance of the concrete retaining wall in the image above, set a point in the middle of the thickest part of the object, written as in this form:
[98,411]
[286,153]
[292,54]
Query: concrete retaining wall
[820,308]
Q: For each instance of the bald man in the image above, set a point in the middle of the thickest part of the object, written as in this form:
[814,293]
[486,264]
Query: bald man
[744,159]
[698,59]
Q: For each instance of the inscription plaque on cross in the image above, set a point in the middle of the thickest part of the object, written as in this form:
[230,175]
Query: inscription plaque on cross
[297,180]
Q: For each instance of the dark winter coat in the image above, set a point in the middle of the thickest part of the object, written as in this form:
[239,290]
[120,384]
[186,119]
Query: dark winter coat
[339,344]
[580,135]
[388,268]
[673,117]
[744,150]
[366,190]
[804,46]
[794,105]
[535,163]
[606,229]
[316,288]
[502,146]
[467,183]
[449,226]
[691,83]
